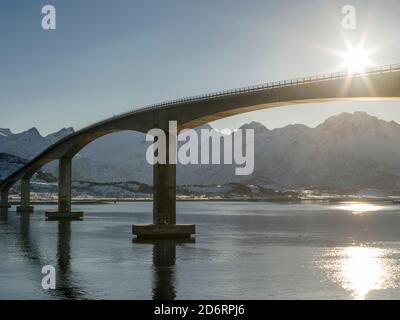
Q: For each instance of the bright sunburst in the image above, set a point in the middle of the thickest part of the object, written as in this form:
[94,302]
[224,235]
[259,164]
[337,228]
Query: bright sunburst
[356,59]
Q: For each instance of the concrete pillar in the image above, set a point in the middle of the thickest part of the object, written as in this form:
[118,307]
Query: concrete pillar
[25,196]
[164,184]
[64,185]
[64,193]
[164,194]
[164,204]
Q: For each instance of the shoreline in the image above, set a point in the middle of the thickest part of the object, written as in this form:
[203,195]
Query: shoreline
[282,200]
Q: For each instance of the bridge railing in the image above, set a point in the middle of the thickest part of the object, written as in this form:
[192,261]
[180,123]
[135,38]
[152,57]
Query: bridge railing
[277,84]
[264,86]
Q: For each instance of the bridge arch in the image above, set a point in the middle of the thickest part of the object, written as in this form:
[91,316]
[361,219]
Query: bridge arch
[375,84]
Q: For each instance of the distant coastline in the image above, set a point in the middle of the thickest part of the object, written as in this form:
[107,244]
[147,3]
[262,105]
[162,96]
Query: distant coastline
[97,201]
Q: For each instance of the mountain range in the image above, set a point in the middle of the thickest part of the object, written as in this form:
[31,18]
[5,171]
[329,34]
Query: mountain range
[349,151]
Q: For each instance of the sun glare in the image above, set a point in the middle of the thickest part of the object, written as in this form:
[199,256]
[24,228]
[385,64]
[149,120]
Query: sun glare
[363,270]
[357,208]
[360,269]
[356,59]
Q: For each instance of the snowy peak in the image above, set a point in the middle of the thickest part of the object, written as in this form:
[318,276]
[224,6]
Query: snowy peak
[28,144]
[32,132]
[54,137]
[5,132]
[256,126]
[358,119]
[358,126]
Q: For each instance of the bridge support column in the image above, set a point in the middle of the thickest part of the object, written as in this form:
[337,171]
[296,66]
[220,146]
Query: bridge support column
[4,199]
[64,193]
[25,196]
[164,201]
[164,206]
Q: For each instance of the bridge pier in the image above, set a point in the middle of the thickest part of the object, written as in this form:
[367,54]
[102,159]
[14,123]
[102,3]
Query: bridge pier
[25,196]
[64,193]
[164,201]
[4,199]
[164,206]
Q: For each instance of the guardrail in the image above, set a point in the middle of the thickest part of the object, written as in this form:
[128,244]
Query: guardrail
[260,87]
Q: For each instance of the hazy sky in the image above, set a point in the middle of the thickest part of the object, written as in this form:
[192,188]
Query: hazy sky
[107,57]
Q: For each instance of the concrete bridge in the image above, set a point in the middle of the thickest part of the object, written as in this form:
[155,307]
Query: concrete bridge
[375,84]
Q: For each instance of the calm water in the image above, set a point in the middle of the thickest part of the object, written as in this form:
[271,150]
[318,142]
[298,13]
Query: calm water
[242,251]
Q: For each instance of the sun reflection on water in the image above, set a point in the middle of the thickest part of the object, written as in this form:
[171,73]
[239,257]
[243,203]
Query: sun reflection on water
[359,208]
[361,270]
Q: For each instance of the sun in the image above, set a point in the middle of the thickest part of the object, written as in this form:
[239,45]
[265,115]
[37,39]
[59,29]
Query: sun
[356,59]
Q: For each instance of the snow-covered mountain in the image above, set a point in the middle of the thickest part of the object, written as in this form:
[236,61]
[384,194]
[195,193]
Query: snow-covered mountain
[54,137]
[347,151]
[30,143]
[26,144]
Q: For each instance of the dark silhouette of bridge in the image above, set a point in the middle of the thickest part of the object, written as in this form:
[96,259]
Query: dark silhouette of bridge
[374,84]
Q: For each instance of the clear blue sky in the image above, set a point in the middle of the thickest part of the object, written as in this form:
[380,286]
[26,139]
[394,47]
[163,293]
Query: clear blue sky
[107,57]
